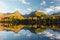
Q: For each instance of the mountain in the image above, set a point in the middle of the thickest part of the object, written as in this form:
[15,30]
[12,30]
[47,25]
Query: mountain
[58,13]
[37,13]
[1,16]
[10,21]
[26,16]
[15,15]
[18,15]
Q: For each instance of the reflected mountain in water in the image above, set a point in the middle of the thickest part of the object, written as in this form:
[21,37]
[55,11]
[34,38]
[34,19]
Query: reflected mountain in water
[36,22]
[27,35]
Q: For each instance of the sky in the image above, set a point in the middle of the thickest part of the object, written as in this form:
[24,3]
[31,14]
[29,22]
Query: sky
[27,6]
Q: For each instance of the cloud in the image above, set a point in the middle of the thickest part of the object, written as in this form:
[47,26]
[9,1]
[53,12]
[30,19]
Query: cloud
[26,11]
[51,34]
[24,2]
[5,35]
[57,36]
[51,2]
[52,9]
[2,36]
[29,9]
[23,11]
[57,8]
[48,10]
[18,9]
[56,0]
[3,7]
[43,3]
[48,33]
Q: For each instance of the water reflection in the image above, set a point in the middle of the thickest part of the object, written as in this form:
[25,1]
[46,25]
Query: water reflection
[27,35]
[35,25]
[33,28]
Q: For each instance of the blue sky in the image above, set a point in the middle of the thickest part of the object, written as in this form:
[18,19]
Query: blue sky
[27,6]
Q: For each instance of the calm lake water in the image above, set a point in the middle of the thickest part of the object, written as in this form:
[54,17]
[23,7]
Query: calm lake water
[27,35]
